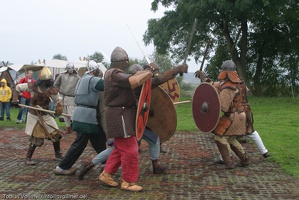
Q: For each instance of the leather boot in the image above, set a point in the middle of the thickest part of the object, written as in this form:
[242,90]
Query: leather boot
[105,177]
[30,152]
[130,186]
[228,162]
[157,168]
[84,168]
[243,157]
[56,146]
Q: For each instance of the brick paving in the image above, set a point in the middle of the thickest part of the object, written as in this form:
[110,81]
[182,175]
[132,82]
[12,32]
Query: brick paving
[191,174]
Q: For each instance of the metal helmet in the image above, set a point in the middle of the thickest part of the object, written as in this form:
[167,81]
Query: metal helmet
[229,72]
[228,65]
[92,66]
[133,69]
[69,66]
[118,54]
[45,74]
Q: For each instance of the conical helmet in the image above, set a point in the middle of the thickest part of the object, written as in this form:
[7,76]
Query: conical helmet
[228,65]
[118,54]
[45,74]
[229,72]
[92,66]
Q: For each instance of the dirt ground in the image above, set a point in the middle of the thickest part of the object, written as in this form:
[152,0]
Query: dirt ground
[192,174]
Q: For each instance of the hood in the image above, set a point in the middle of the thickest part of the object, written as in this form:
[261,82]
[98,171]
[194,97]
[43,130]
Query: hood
[4,81]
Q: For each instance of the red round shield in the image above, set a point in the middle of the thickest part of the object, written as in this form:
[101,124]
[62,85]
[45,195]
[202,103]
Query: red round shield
[143,108]
[206,107]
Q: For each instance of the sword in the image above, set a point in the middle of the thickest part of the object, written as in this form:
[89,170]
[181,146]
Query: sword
[204,56]
[189,42]
[124,127]
[44,110]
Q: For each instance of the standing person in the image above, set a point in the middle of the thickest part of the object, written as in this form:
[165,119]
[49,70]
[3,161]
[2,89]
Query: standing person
[85,119]
[41,125]
[5,96]
[66,83]
[149,136]
[251,132]
[24,97]
[233,122]
[120,120]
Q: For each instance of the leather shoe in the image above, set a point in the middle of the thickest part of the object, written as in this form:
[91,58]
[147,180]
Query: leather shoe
[30,162]
[266,155]
[130,186]
[105,177]
[67,172]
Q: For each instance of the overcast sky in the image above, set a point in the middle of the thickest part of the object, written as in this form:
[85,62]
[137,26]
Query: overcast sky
[35,29]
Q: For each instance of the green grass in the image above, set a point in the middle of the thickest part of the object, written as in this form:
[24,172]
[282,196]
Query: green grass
[275,119]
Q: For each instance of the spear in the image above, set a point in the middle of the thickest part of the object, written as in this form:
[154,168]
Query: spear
[44,110]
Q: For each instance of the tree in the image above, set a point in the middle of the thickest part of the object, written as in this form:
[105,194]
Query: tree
[97,57]
[250,32]
[59,57]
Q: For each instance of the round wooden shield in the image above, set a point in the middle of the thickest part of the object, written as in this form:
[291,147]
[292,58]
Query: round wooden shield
[143,108]
[163,117]
[206,107]
[172,88]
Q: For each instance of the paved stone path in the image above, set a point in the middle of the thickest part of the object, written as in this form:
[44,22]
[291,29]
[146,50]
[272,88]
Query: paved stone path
[191,174]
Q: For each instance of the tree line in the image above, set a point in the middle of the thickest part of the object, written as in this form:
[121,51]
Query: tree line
[260,36]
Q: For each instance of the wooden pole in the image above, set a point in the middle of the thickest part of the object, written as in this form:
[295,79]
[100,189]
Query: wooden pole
[44,110]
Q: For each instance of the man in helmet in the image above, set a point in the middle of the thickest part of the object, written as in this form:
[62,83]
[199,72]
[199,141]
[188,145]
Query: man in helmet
[233,123]
[66,83]
[42,125]
[149,136]
[85,119]
[120,120]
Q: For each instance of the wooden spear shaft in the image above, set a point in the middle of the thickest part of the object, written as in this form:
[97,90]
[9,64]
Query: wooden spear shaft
[44,110]
[182,102]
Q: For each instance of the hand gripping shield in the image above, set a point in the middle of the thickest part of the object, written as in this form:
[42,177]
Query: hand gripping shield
[206,107]
[143,108]
[163,116]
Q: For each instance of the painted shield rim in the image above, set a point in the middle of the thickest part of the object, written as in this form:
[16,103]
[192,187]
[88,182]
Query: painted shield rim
[145,96]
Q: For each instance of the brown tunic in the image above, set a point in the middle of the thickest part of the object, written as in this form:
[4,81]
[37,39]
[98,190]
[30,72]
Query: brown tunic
[121,104]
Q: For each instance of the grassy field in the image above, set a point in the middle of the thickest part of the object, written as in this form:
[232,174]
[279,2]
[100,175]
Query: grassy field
[276,120]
